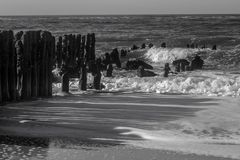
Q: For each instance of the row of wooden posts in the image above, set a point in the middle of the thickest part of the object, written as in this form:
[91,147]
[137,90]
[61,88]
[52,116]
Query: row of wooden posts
[28,58]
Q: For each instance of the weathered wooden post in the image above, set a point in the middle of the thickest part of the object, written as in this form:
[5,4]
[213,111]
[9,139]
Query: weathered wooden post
[182,67]
[97,75]
[48,42]
[83,77]
[65,75]
[59,50]
[78,50]
[65,82]
[0,79]
[5,65]
[12,67]
[26,93]
[50,64]
[109,70]
[19,65]
[1,68]
[88,54]
[83,70]
[92,43]
[35,40]
[43,62]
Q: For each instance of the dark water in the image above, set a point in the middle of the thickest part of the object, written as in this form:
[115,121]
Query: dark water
[117,31]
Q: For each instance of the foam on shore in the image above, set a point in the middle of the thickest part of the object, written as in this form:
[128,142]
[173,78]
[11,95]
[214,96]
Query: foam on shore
[214,131]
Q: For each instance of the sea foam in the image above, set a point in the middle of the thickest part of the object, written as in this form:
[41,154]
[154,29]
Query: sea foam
[168,55]
[200,82]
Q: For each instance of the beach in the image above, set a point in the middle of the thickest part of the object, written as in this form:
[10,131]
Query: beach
[122,126]
[189,115]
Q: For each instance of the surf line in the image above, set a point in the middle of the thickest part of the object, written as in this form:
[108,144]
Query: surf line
[126,104]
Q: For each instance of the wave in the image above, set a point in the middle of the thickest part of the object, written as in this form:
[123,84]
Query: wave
[218,58]
[168,55]
[201,83]
[208,83]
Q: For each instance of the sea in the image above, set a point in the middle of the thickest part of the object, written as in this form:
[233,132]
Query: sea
[220,76]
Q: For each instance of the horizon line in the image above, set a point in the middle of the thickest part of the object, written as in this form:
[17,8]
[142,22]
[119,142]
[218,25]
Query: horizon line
[152,14]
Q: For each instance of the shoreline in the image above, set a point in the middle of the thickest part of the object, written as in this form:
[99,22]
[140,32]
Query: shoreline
[90,125]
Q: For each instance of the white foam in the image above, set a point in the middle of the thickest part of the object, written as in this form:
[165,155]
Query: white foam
[212,131]
[171,140]
[198,82]
[168,55]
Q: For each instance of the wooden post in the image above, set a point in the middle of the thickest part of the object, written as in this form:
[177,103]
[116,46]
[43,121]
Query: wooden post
[78,50]
[83,78]
[26,93]
[70,51]
[97,75]
[48,62]
[182,67]
[83,70]
[59,50]
[109,70]
[19,65]
[93,46]
[65,51]
[65,83]
[42,61]
[35,38]
[88,48]
[65,60]
[50,65]
[5,64]
[12,67]
[1,68]
[83,47]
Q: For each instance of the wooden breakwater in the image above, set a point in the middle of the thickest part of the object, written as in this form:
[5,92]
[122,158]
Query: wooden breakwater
[28,58]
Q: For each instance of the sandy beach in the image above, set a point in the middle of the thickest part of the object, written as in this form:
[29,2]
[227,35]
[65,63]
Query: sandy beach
[121,126]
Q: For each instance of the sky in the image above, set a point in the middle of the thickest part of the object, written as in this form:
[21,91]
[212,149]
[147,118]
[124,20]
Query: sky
[96,7]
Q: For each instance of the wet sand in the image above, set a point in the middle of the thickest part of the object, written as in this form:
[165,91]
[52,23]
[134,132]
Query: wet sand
[84,126]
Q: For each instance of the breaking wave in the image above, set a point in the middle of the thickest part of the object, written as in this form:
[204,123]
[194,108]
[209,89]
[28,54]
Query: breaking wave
[218,58]
[203,83]
[168,55]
